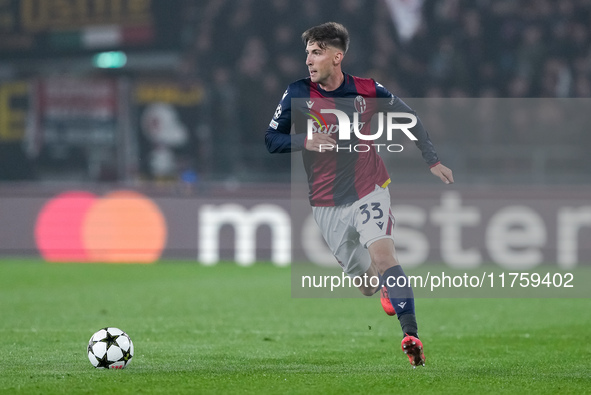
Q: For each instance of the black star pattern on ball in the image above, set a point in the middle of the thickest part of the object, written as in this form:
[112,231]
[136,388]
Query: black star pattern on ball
[103,362]
[110,340]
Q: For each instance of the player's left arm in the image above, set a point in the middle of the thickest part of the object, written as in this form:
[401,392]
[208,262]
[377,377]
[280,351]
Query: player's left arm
[423,142]
[443,172]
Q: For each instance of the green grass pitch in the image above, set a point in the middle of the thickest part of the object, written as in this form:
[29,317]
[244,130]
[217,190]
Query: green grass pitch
[227,329]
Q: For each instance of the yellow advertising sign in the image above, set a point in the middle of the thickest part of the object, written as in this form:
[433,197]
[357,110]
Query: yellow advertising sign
[13,110]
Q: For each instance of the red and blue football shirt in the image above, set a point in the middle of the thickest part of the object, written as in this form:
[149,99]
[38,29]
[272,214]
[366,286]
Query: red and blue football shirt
[339,177]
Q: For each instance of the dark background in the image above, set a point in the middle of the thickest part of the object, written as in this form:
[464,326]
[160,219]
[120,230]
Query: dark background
[241,55]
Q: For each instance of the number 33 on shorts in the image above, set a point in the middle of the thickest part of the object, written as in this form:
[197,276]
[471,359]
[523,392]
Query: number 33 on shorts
[375,206]
[374,220]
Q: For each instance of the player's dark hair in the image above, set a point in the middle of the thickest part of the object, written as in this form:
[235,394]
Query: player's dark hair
[328,34]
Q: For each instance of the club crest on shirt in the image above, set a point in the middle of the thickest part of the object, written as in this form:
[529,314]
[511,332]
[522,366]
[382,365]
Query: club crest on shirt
[360,105]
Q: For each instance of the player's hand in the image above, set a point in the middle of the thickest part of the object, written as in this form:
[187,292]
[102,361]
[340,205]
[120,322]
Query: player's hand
[444,173]
[320,142]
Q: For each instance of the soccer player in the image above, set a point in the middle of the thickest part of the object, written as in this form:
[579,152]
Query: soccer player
[348,190]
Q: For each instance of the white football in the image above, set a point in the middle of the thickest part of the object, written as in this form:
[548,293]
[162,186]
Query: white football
[110,348]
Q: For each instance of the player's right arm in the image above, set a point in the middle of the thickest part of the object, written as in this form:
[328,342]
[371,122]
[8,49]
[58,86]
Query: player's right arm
[278,138]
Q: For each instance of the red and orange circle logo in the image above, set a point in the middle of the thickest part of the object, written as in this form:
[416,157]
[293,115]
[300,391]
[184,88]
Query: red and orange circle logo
[121,227]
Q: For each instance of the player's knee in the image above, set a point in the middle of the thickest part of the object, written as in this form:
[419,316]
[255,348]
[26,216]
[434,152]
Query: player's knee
[368,291]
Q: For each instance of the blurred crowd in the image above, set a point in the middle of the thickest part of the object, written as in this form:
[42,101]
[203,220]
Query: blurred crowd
[475,48]
[242,54]
[248,51]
